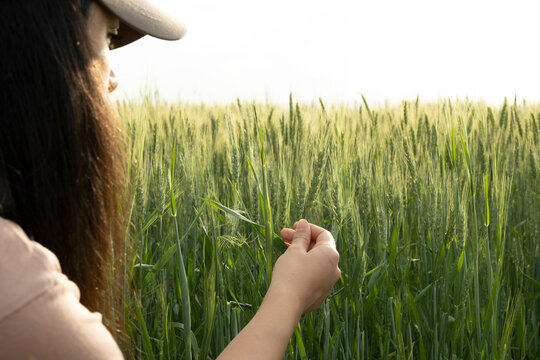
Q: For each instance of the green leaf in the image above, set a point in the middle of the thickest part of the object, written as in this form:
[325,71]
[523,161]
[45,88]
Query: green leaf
[486,192]
[453,147]
[393,245]
[300,343]
[230,211]
[171,178]
[148,352]
[466,151]
[461,259]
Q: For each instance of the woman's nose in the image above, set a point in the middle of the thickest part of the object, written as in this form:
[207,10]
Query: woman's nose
[113,83]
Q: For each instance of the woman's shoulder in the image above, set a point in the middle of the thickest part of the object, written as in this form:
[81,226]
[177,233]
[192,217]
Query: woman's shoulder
[40,312]
[27,269]
[13,239]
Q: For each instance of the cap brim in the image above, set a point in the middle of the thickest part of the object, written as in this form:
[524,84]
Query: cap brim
[141,17]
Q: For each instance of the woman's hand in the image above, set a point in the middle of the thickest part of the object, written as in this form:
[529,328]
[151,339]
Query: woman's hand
[307,271]
[303,277]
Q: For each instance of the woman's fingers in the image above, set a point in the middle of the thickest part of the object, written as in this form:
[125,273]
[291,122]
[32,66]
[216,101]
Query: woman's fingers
[302,235]
[318,235]
[287,234]
[315,230]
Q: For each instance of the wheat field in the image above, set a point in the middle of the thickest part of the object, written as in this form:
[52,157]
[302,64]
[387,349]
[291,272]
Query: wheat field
[435,209]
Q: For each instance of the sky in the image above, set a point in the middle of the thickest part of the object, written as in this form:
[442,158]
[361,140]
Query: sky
[387,50]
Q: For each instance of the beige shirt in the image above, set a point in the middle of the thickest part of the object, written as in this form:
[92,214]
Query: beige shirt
[40,313]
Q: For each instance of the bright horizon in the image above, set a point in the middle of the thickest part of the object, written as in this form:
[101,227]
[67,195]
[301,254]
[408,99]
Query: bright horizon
[388,50]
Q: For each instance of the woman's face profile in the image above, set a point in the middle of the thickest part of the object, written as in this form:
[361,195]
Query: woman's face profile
[101,27]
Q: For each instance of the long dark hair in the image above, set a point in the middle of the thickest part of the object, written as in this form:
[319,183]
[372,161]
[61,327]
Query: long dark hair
[61,173]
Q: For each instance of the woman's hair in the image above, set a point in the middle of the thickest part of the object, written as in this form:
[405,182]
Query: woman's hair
[61,153]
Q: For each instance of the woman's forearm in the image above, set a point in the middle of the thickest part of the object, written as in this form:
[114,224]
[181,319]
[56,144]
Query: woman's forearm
[266,336]
[302,278]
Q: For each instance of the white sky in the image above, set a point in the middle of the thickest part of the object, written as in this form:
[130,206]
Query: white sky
[385,49]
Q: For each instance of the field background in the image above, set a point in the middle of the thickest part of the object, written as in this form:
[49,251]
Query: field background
[435,208]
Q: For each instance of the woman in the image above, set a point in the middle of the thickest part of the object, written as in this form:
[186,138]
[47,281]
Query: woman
[60,175]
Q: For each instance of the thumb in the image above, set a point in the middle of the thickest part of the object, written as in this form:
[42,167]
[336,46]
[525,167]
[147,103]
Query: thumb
[302,235]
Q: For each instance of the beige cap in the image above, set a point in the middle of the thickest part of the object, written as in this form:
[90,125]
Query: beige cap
[142,17]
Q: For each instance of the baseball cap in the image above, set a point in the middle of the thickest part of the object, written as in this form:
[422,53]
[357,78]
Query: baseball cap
[142,17]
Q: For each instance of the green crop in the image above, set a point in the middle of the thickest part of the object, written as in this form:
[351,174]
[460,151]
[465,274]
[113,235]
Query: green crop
[435,208]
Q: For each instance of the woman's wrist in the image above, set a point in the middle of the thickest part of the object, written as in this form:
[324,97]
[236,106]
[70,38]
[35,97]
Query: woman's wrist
[277,318]
[281,304]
